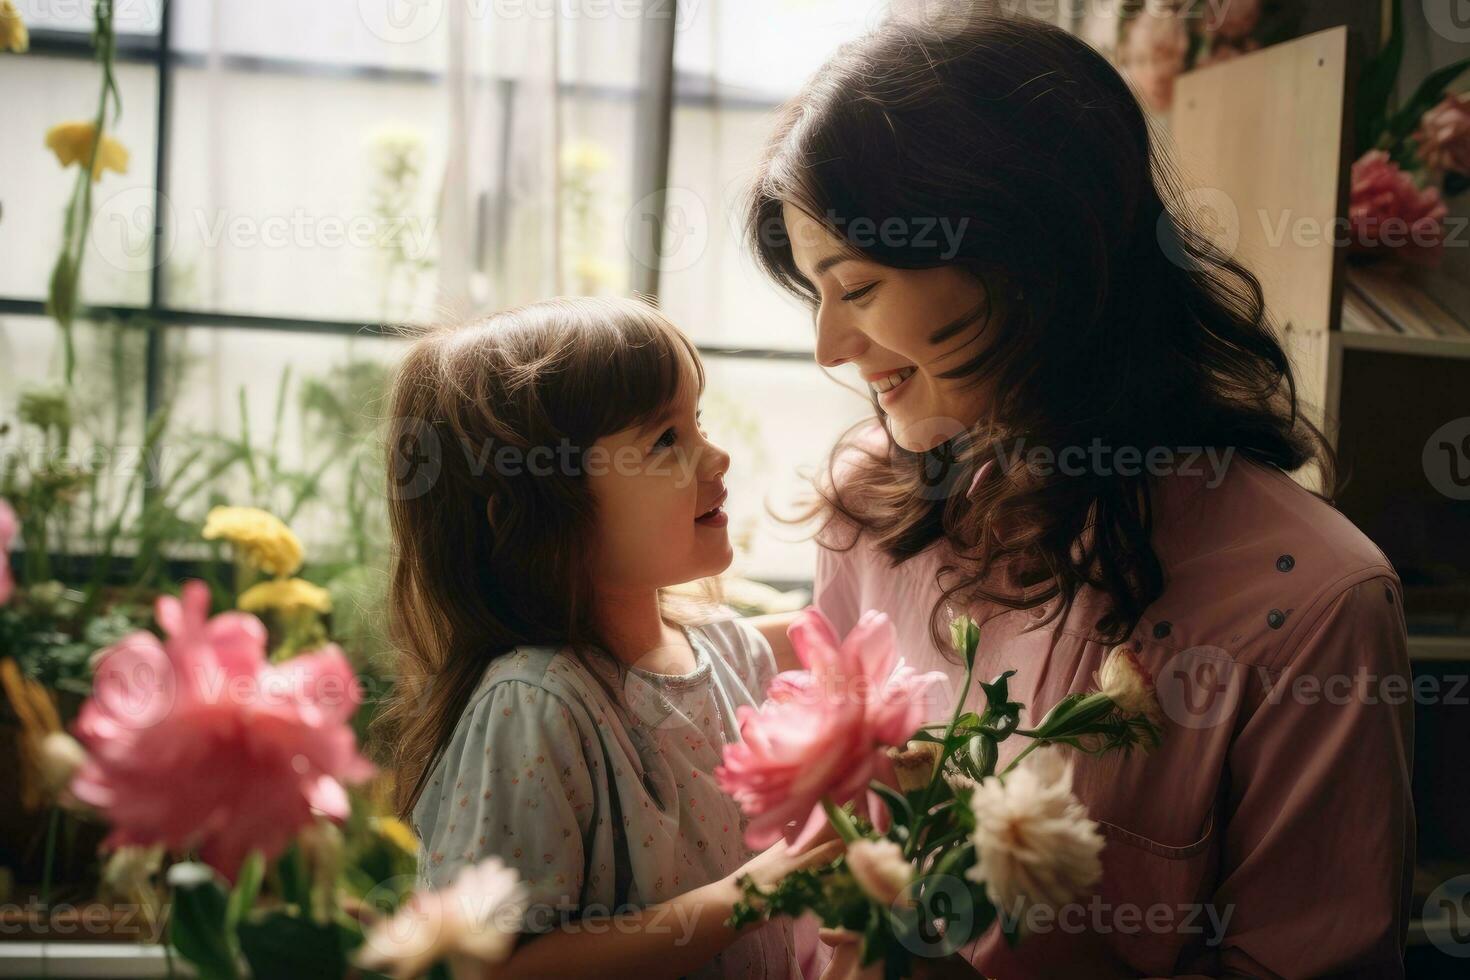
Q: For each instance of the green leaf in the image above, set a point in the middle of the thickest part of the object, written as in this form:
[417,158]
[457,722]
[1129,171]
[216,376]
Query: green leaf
[1426,97]
[1376,84]
[997,692]
[983,755]
[898,806]
[197,926]
[295,883]
[288,947]
[247,887]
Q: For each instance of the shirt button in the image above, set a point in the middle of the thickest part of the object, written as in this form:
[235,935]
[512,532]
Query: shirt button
[1285,563]
[1275,618]
[1161,630]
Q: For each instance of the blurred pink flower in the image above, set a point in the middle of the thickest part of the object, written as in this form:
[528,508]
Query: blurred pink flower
[199,742]
[1153,51]
[1235,20]
[1389,211]
[9,525]
[823,731]
[1443,136]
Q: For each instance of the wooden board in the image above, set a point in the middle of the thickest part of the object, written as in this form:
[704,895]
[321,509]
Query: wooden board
[1264,138]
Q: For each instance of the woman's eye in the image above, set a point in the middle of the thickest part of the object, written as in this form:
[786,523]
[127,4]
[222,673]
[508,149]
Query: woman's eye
[858,293]
[667,439]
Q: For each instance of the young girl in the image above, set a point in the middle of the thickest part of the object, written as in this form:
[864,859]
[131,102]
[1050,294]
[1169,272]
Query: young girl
[548,476]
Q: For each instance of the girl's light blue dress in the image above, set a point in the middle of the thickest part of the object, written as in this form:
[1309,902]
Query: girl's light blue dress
[596,782]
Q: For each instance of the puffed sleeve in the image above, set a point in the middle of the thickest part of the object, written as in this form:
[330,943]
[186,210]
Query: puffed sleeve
[1317,859]
[517,786]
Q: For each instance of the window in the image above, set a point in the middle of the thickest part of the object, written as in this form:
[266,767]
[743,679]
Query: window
[303,157]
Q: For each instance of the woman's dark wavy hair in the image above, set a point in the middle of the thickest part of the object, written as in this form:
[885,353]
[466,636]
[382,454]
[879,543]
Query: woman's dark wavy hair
[1133,330]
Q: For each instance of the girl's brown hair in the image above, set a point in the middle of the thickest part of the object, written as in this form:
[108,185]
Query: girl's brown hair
[488,503]
[1113,320]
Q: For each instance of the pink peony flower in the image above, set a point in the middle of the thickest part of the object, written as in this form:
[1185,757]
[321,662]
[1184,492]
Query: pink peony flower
[1389,211]
[199,742]
[824,730]
[1153,52]
[9,525]
[1443,136]
[1235,20]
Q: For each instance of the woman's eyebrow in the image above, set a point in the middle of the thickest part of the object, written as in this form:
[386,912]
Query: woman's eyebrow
[829,261]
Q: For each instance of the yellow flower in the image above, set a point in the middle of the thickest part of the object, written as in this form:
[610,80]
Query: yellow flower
[585,157]
[13,33]
[72,143]
[260,539]
[286,595]
[396,832]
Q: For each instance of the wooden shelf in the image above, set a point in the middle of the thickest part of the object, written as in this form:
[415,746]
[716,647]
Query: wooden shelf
[1439,649]
[1388,343]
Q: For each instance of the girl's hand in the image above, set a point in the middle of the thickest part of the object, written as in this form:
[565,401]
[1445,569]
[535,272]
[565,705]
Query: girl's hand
[779,860]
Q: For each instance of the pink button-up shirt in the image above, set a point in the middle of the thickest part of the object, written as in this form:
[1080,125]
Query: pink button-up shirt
[1272,833]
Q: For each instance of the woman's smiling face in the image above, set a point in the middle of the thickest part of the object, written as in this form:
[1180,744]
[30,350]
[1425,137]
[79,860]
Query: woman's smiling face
[881,319]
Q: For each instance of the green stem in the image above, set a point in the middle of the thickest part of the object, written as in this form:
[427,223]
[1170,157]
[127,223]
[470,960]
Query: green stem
[928,799]
[840,820]
[1023,753]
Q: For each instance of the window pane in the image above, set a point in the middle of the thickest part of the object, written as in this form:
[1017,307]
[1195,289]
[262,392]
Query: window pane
[102,417]
[744,61]
[297,195]
[128,16]
[317,465]
[35,189]
[775,418]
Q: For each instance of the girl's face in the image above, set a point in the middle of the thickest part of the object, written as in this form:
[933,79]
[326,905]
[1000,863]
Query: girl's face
[660,491]
[881,318]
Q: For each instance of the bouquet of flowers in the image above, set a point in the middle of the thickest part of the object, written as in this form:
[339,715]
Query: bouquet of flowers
[939,844]
[226,775]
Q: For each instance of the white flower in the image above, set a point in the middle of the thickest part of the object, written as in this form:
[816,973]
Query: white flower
[60,757]
[1034,844]
[473,924]
[880,869]
[1126,682]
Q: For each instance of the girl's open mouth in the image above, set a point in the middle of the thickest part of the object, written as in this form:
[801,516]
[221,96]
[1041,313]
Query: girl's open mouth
[715,516]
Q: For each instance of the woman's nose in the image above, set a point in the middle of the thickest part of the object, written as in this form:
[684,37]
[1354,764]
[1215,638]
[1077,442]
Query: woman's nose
[838,341]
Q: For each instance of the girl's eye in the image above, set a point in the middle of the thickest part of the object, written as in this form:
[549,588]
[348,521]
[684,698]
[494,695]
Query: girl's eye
[667,439]
[858,293]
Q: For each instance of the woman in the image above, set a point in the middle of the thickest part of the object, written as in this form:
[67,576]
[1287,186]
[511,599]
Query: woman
[1084,432]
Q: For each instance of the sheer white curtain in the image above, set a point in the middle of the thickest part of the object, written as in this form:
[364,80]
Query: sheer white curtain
[541,102]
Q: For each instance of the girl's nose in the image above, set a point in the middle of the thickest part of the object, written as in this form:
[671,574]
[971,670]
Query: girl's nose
[838,341]
[715,462]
